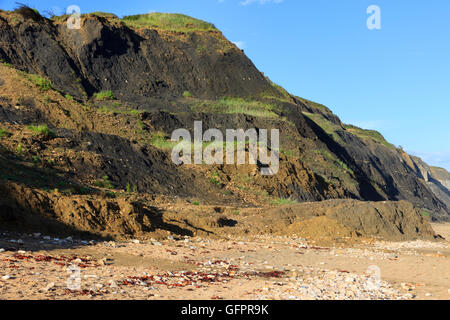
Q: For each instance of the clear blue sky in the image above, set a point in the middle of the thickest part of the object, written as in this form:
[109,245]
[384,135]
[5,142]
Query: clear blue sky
[395,80]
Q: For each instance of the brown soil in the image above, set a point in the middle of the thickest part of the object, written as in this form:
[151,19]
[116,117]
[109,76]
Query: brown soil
[31,210]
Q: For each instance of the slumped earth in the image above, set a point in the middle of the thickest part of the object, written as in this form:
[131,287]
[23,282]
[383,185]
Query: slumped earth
[253,267]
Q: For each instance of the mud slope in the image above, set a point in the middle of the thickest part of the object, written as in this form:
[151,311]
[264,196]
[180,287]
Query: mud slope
[29,210]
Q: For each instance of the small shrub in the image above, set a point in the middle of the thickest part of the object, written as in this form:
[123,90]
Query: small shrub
[196,203]
[68,97]
[187,94]
[104,95]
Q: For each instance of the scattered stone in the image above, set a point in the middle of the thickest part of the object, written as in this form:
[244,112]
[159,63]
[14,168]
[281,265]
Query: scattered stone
[50,286]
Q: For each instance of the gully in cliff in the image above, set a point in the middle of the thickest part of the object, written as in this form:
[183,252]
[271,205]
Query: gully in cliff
[213,153]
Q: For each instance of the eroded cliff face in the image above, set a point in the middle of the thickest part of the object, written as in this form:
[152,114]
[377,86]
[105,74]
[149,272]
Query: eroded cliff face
[148,70]
[105,54]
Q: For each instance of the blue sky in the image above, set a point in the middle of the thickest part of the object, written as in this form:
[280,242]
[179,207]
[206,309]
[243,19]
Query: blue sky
[395,80]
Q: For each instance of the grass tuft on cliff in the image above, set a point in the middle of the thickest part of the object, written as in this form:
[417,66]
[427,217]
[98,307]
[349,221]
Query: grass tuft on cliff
[232,105]
[168,21]
[364,133]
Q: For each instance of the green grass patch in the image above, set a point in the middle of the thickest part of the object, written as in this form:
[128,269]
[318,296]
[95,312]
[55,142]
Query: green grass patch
[159,140]
[43,83]
[187,94]
[215,179]
[20,149]
[229,105]
[4,133]
[283,201]
[426,213]
[68,97]
[6,64]
[42,130]
[104,95]
[168,21]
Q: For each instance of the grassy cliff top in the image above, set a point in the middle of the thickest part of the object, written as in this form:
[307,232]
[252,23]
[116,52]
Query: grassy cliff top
[168,21]
[365,133]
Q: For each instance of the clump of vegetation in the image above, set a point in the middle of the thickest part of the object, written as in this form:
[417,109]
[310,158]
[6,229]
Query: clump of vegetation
[104,183]
[131,188]
[6,64]
[36,159]
[159,140]
[4,133]
[426,213]
[68,97]
[196,203]
[187,94]
[231,105]
[283,201]
[168,21]
[42,130]
[104,95]
[43,83]
[215,178]
[20,149]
